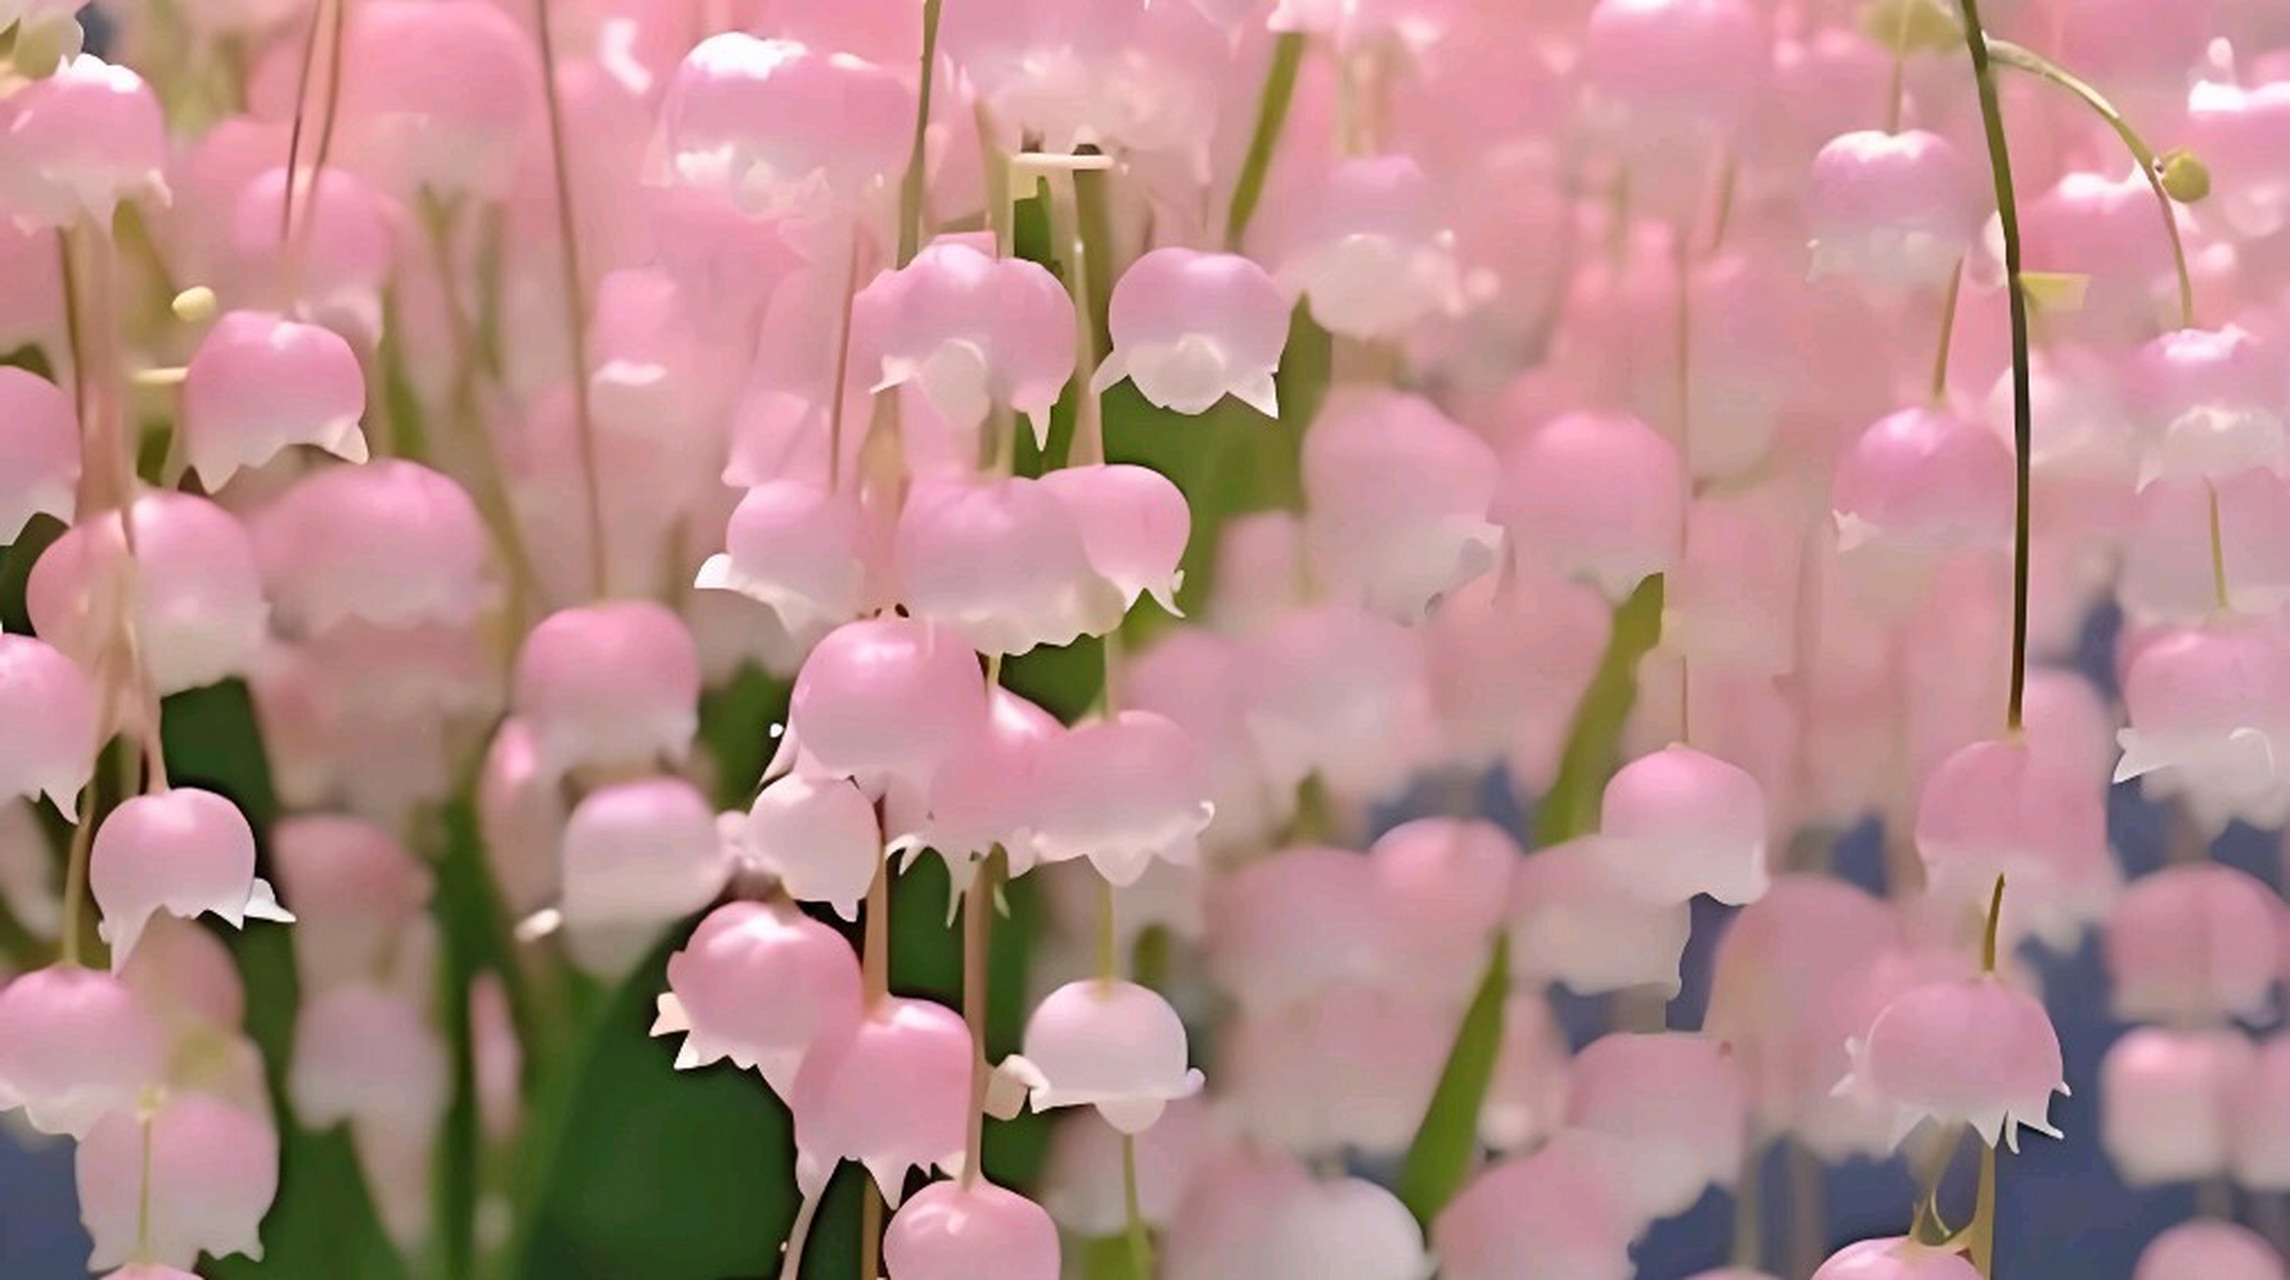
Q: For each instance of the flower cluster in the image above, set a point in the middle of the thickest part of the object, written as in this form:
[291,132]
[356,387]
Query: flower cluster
[665,480]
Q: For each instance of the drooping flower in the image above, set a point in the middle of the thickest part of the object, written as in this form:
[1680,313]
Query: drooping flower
[1116,1046]
[186,852]
[1190,328]
[259,383]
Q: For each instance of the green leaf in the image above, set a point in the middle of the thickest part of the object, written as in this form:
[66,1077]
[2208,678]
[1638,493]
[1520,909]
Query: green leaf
[1446,1144]
[1439,1159]
[1570,808]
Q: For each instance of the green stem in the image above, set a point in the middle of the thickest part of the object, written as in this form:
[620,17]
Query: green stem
[1570,807]
[1439,1159]
[1947,333]
[2150,167]
[2023,404]
[1981,1235]
[1271,115]
[1995,923]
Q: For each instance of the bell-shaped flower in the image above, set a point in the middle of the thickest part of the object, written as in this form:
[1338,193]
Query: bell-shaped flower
[609,683]
[780,128]
[1677,1110]
[1576,920]
[971,331]
[199,614]
[1134,525]
[1285,927]
[1898,1258]
[76,145]
[367,1055]
[76,1045]
[347,242]
[39,454]
[2209,403]
[1971,1051]
[819,837]
[2209,1249]
[886,699]
[968,1231]
[52,711]
[1189,328]
[1658,74]
[794,546]
[1369,250]
[743,948]
[637,856]
[1783,992]
[2194,946]
[1442,884]
[1599,496]
[444,99]
[1083,1186]
[1553,1215]
[194,1176]
[1924,479]
[1001,563]
[354,888]
[1680,822]
[1113,1045]
[1396,495]
[1277,1091]
[2238,132]
[1527,1099]
[521,815]
[2006,809]
[2173,570]
[1262,1215]
[2166,1103]
[260,383]
[183,851]
[185,975]
[1334,692]
[392,542]
[1122,792]
[1894,209]
[2210,713]
[150,1271]
[988,793]
[891,1092]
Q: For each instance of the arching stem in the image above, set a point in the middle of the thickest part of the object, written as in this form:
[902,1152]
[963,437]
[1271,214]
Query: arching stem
[2150,166]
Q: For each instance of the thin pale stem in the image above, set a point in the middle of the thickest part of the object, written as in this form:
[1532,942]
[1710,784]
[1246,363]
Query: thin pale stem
[75,878]
[977,953]
[1108,938]
[798,1235]
[911,187]
[2225,598]
[875,944]
[2150,167]
[2023,404]
[1133,1215]
[843,363]
[143,1200]
[1981,1235]
[301,109]
[1995,927]
[871,1231]
[576,304]
[1749,1210]
[1947,342]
